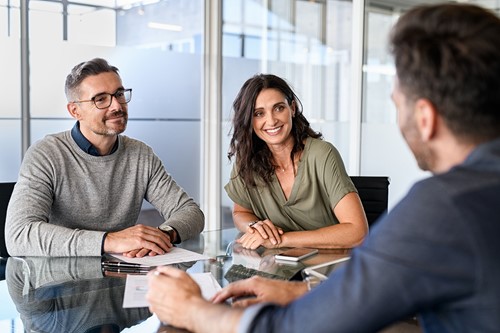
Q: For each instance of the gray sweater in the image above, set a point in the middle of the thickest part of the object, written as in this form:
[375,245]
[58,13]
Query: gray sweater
[65,199]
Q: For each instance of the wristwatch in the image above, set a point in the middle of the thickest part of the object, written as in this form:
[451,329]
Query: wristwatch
[169,231]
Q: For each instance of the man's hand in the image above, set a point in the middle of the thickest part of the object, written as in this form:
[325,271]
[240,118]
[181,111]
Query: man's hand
[137,241]
[264,290]
[172,294]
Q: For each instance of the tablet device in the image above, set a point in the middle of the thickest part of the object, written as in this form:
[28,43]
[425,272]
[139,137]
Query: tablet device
[296,254]
[322,271]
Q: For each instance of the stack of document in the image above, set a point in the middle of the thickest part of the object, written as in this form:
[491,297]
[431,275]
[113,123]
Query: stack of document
[175,256]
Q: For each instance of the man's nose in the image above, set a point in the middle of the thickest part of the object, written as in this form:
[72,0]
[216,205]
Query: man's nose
[115,105]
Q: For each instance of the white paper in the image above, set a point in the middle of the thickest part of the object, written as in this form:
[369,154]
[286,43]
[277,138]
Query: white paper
[136,288]
[175,256]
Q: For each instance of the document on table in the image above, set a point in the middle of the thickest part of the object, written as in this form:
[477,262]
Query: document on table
[175,256]
[136,288]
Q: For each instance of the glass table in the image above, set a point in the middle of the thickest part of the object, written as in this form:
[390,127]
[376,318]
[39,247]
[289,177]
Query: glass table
[73,294]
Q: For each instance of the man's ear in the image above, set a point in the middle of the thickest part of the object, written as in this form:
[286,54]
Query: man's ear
[426,119]
[73,110]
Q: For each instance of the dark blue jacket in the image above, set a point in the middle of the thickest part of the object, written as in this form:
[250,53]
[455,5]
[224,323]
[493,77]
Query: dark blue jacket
[436,254]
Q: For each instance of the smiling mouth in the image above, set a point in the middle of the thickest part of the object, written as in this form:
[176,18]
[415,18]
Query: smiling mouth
[274,130]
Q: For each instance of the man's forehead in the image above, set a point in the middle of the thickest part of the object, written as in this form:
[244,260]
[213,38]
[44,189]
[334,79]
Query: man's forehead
[101,82]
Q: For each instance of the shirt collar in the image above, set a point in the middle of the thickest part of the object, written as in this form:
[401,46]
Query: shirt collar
[85,144]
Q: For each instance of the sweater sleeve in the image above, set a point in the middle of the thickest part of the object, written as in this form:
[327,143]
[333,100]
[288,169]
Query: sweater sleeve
[27,229]
[178,209]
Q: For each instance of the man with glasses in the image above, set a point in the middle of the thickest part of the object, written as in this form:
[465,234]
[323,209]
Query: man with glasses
[80,192]
[436,253]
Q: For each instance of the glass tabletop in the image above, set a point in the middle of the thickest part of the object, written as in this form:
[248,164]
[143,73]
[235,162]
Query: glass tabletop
[71,294]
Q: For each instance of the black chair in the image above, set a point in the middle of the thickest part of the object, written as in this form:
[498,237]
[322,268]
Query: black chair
[374,194]
[5,193]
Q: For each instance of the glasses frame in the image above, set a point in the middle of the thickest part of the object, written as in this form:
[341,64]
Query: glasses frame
[110,100]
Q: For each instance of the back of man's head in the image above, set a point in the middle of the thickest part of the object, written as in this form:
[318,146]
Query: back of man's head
[450,55]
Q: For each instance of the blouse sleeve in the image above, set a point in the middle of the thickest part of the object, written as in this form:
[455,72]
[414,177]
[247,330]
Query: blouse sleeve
[337,181]
[237,190]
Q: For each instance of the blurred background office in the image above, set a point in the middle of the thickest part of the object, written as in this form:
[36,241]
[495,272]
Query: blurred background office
[186,60]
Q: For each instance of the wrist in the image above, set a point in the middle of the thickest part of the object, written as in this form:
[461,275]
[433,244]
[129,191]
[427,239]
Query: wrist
[171,232]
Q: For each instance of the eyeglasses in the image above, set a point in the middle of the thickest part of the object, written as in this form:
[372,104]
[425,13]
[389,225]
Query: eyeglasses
[103,101]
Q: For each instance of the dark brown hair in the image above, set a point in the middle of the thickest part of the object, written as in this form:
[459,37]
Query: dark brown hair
[450,55]
[253,157]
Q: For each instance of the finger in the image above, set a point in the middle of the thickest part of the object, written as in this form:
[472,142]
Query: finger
[276,235]
[245,302]
[142,252]
[221,296]
[131,254]
[236,289]
[250,229]
[154,235]
[260,227]
[255,243]
[158,242]
[272,231]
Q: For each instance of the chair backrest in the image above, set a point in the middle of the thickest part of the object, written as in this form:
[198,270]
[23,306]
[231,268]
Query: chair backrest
[5,193]
[374,194]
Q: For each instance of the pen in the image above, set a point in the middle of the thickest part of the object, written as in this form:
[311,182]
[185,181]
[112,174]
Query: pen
[109,264]
[125,270]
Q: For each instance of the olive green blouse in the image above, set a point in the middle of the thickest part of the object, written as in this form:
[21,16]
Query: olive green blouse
[321,182]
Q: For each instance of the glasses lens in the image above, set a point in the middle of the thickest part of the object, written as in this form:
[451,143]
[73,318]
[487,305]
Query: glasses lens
[102,101]
[123,96]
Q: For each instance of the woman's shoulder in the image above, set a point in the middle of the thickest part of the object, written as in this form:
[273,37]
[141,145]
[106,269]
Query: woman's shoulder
[319,145]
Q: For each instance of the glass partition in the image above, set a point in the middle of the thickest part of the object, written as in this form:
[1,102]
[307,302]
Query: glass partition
[10,90]
[306,43]
[383,150]
[155,45]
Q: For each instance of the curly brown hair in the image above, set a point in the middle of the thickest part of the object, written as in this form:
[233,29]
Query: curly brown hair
[253,158]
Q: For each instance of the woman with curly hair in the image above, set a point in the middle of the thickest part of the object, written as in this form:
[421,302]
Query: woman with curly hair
[289,187]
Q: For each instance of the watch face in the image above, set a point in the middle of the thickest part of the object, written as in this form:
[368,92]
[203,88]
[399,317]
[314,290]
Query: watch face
[166,228]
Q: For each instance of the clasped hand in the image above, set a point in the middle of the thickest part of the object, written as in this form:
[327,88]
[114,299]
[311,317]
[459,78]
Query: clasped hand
[138,241]
[263,233]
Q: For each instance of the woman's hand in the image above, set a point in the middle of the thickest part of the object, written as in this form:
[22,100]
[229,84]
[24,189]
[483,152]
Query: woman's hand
[263,233]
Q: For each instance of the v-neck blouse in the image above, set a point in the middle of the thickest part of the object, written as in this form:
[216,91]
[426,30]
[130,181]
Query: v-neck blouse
[321,182]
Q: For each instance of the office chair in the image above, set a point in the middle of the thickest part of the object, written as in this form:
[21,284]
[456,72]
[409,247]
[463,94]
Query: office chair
[374,194]
[5,193]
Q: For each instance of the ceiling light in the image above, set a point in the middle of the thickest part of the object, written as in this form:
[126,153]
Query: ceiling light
[164,26]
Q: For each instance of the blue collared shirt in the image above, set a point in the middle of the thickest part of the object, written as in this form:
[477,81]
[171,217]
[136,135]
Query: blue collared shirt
[85,144]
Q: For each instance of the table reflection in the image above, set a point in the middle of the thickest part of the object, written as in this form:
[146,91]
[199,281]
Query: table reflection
[74,295]
[68,295]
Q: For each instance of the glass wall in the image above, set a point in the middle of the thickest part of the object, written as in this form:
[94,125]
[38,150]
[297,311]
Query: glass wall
[10,90]
[158,46]
[383,150]
[308,43]
[155,44]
